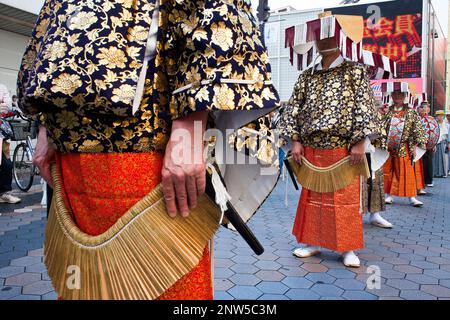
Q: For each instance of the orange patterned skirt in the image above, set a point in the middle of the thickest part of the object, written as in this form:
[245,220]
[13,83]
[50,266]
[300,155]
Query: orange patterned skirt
[100,188]
[420,178]
[330,220]
[399,177]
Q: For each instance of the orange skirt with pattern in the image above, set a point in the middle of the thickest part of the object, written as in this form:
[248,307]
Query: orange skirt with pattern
[100,188]
[330,220]
[420,178]
[400,177]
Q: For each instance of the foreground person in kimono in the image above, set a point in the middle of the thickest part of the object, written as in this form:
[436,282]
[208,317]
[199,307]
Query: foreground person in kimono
[115,86]
[329,117]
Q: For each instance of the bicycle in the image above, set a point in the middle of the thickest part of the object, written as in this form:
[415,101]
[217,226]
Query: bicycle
[23,169]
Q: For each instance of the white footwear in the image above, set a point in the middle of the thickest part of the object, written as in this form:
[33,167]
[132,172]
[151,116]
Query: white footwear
[377,220]
[389,200]
[422,192]
[351,260]
[431,185]
[9,198]
[306,252]
[415,203]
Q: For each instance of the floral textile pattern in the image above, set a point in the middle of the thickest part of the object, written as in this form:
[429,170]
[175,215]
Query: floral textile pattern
[331,109]
[413,132]
[209,56]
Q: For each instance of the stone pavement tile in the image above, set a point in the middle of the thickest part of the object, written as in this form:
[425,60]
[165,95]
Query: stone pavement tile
[292,262]
[427,253]
[411,257]
[10,271]
[283,253]
[341,273]
[437,291]
[268,265]
[223,263]
[416,295]
[445,283]
[9,292]
[222,295]
[23,279]
[359,295]
[408,269]
[390,298]
[268,256]
[273,297]
[332,298]
[223,254]
[385,291]
[312,267]
[293,271]
[297,282]
[245,279]
[312,260]
[350,284]
[245,292]
[421,279]
[244,259]
[402,284]
[36,268]
[396,261]
[438,260]
[38,288]
[266,275]
[244,268]
[320,278]
[425,265]
[223,273]
[272,287]
[440,274]
[45,276]
[370,257]
[333,264]
[223,284]
[26,261]
[36,253]
[445,267]
[327,290]
[302,294]
[24,297]
[392,274]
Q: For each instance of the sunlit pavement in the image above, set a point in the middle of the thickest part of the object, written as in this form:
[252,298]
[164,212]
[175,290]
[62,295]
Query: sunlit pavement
[412,260]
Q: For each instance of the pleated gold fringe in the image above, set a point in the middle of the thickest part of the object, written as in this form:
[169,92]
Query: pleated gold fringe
[140,257]
[331,179]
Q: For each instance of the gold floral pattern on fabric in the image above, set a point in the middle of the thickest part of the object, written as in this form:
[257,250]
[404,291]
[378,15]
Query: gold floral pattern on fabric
[413,132]
[213,46]
[331,108]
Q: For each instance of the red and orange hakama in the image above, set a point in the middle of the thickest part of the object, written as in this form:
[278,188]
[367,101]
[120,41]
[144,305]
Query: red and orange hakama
[100,188]
[400,177]
[420,177]
[330,220]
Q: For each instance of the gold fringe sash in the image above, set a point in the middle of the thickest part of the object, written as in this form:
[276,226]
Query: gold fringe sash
[140,257]
[330,179]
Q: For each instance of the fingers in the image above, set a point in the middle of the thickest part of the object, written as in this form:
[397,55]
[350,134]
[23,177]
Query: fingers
[191,186]
[181,193]
[169,193]
[201,182]
[356,159]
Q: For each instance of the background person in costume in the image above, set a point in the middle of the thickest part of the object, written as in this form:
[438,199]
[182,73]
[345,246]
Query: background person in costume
[113,109]
[407,143]
[329,117]
[440,160]
[373,196]
[447,121]
[432,130]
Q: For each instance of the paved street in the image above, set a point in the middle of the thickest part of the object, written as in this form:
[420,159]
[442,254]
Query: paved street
[413,259]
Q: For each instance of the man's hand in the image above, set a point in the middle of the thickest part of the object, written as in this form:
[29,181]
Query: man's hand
[4,108]
[297,152]
[44,156]
[357,153]
[184,171]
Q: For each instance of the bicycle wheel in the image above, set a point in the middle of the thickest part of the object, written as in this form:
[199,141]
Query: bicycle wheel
[23,168]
